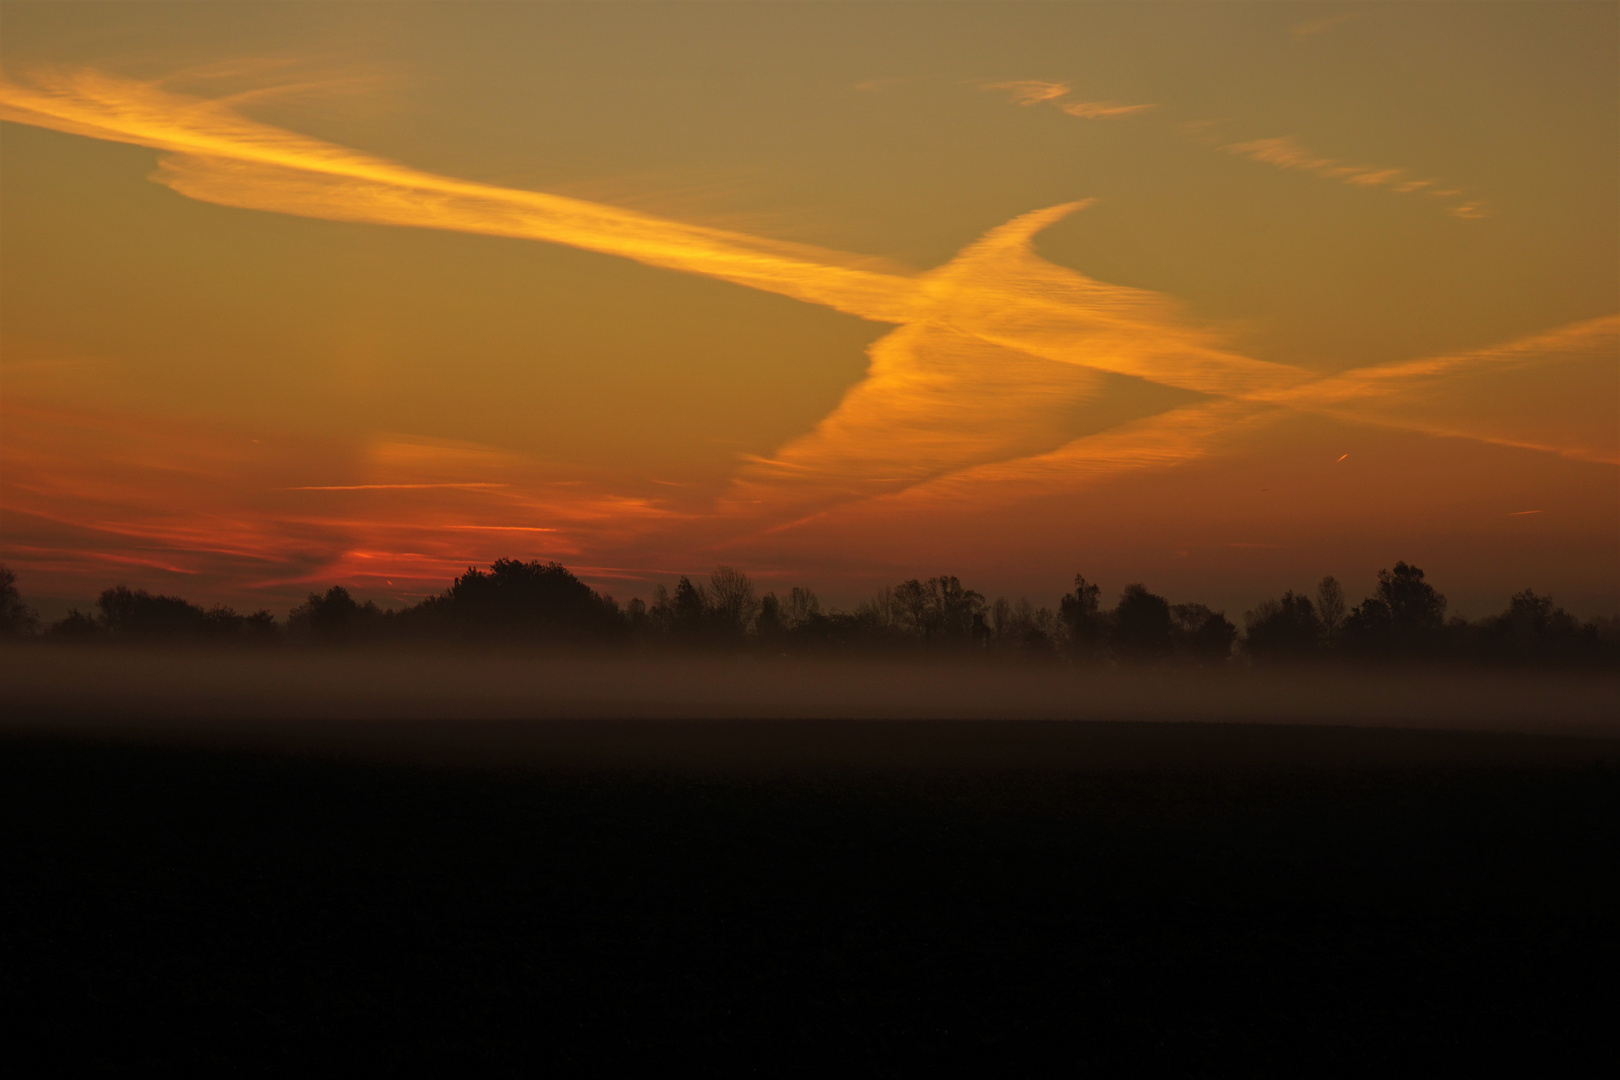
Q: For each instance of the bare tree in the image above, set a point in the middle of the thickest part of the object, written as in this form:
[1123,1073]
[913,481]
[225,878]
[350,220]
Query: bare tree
[802,606]
[731,599]
[1330,606]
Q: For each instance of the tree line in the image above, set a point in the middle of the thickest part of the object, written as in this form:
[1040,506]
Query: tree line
[514,601]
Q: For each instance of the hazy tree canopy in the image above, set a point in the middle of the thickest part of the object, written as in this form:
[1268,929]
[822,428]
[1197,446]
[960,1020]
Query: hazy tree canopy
[1088,629]
[17,619]
[1532,629]
[76,625]
[533,601]
[335,616]
[526,599]
[1288,627]
[732,605]
[802,605]
[138,615]
[1142,628]
[1330,606]
[691,608]
[1201,634]
[1414,606]
[769,624]
[939,609]
[1405,616]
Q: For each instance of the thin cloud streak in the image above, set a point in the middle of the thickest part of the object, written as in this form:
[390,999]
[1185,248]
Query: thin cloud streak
[1028,91]
[388,487]
[1038,91]
[1286,153]
[1101,110]
[962,397]
[1321,26]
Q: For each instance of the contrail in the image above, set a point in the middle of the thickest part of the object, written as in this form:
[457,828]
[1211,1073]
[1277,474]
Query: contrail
[986,343]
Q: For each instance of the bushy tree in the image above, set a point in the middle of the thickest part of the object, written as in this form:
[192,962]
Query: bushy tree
[769,624]
[17,619]
[1532,630]
[1283,629]
[1022,629]
[335,616]
[940,609]
[516,599]
[1087,626]
[1141,625]
[1200,634]
[76,626]
[137,615]
[1404,616]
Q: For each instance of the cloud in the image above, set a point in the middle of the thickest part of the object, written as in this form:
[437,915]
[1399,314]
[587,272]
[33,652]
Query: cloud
[1101,110]
[1037,91]
[1028,91]
[965,398]
[1285,153]
[1508,394]
[1325,24]
[1469,210]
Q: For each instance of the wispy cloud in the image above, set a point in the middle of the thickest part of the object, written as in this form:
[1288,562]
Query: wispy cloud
[1039,91]
[965,393]
[1101,110]
[1328,22]
[1028,91]
[869,86]
[471,485]
[1286,153]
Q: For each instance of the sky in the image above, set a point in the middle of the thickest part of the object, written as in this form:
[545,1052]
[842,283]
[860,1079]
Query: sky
[1220,298]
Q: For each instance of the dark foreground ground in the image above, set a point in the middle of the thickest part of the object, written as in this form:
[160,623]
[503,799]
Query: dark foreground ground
[793,896]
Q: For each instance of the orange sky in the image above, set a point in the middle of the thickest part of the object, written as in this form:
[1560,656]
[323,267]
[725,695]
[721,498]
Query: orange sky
[1220,299]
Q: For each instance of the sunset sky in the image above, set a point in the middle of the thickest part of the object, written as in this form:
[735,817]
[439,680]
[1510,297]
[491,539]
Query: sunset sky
[1216,297]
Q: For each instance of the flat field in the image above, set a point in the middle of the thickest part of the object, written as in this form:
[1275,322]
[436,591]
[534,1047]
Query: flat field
[268,865]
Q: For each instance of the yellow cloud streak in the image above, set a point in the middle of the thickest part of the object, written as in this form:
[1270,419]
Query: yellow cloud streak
[225,158]
[996,288]
[952,392]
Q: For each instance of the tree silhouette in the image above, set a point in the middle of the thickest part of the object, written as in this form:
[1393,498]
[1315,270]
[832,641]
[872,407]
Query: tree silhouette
[769,624]
[532,601]
[940,609]
[17,619]
[1403,617]
[691,610]
[732,605]
[1532,630]
[1283,629]
[1330,608]
[1414,606]
[1088,629]
[1141,626]
[138,613]
[516,599]
[1201,634]
[802,605]
[335,617]
[76,626]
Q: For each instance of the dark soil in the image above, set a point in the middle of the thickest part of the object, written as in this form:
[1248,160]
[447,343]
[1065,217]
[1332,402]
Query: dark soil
[1192,899]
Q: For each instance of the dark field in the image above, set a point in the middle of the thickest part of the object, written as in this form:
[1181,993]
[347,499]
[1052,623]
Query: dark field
[794,895]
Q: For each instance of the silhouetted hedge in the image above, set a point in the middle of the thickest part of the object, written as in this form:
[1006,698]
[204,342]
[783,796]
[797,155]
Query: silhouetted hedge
[1404,620]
